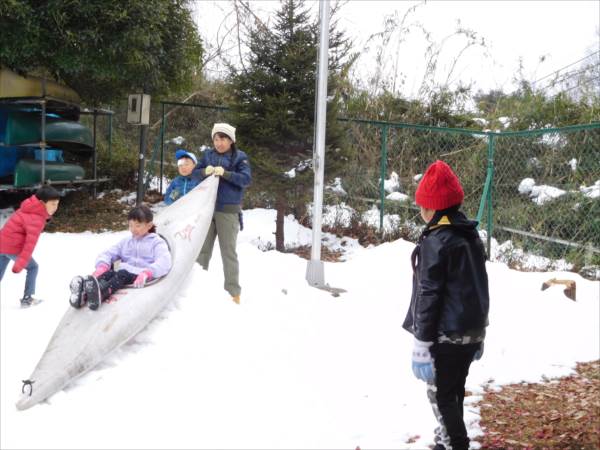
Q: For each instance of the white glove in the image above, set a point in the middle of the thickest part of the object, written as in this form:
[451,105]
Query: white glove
[422,362]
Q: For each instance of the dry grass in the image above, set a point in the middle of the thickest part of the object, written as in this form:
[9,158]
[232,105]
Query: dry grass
[561,413]
[79,212]
[326,253]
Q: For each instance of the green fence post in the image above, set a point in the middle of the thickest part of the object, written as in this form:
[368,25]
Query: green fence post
[486,196]
[110,117]
[162,146]
[384,133]
[490,218]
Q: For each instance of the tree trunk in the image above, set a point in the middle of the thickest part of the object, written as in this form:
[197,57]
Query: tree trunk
[280,205]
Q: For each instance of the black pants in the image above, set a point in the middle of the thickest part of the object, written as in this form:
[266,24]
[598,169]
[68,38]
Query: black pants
[111,281]
[452,362]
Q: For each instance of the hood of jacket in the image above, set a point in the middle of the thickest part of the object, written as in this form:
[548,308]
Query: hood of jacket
[33,205]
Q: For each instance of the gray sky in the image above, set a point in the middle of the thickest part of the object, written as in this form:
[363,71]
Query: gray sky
[546,36]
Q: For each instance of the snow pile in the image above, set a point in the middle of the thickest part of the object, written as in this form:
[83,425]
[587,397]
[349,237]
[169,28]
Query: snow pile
[336,187]
[543,193]
[398,197]
[391,222]
[179,140]
[518,258]
[392,184]
[555,140]
[338,215]
[129,199]
[539,194]
[505,121]
[573,164]
[592,191]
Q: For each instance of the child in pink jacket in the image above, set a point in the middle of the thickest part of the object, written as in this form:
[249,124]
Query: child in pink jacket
[20,234]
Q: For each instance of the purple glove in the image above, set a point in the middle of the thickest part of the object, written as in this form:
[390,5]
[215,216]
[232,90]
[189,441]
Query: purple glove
[100,269]
[143,276]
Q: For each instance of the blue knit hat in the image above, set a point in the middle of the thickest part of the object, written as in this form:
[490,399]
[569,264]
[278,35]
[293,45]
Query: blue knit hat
[182,153]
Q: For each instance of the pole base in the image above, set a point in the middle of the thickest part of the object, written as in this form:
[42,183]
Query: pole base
[315,273]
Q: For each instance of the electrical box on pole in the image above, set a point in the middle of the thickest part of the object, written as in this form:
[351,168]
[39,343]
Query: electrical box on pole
[138,113]
[138,109]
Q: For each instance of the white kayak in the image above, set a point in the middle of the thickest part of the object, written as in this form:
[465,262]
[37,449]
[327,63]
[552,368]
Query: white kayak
[84,337]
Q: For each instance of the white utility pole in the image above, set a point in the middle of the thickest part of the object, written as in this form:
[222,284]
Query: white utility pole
[314,271]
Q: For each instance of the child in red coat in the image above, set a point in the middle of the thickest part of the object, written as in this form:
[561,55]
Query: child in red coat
[20,234]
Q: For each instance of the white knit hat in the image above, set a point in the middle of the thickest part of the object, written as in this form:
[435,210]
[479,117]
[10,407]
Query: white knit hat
[224,128]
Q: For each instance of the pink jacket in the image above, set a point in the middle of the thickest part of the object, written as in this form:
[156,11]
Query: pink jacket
[20,234]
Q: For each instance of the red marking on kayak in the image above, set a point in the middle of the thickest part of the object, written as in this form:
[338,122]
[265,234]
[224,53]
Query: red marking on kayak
[186,233]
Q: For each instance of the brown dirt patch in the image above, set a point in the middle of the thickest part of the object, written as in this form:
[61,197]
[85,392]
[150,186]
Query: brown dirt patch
[79,211]
[558,414]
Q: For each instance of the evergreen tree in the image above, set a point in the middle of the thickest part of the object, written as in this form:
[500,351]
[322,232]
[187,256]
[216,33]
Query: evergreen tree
[102,49]
[274,107]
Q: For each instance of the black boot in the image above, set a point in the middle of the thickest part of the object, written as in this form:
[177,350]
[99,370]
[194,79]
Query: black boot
[96,291]
[78,296]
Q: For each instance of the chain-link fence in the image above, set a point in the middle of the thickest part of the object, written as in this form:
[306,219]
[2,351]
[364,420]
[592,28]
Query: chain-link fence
[536,193]
[546,193]
[390,157]
[183,125]
[543,185]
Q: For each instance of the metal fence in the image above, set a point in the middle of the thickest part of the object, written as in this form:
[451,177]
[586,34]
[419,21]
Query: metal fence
[537,189]
[186,125]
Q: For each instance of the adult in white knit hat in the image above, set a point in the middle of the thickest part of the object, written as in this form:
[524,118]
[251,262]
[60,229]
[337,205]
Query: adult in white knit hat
[224,128]
[232,167]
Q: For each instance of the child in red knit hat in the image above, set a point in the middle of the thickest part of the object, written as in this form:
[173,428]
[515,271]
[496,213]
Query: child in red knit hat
[450,301]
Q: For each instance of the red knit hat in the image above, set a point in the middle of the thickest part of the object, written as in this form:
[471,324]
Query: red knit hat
[439,188]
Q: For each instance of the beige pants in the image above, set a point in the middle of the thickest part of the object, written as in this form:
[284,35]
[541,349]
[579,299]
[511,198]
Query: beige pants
[225,226]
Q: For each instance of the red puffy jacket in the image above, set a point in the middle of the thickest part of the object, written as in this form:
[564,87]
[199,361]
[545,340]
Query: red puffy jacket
[20,234]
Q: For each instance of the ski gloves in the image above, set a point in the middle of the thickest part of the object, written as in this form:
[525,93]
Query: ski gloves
[100,269]
[422,362]
[143,276]
[218,171]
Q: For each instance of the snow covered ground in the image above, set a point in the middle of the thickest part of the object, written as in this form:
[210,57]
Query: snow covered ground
[291,367]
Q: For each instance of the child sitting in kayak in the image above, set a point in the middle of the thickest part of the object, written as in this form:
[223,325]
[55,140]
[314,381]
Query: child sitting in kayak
[143,256]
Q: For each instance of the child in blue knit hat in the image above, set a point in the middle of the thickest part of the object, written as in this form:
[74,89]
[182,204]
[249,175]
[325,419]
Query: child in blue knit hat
[184,183]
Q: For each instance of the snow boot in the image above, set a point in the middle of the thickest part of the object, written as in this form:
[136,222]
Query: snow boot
[78,296]
[96,291]
[28,301]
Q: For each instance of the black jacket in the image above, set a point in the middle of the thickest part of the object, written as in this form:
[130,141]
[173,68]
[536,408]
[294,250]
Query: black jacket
[450,285]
